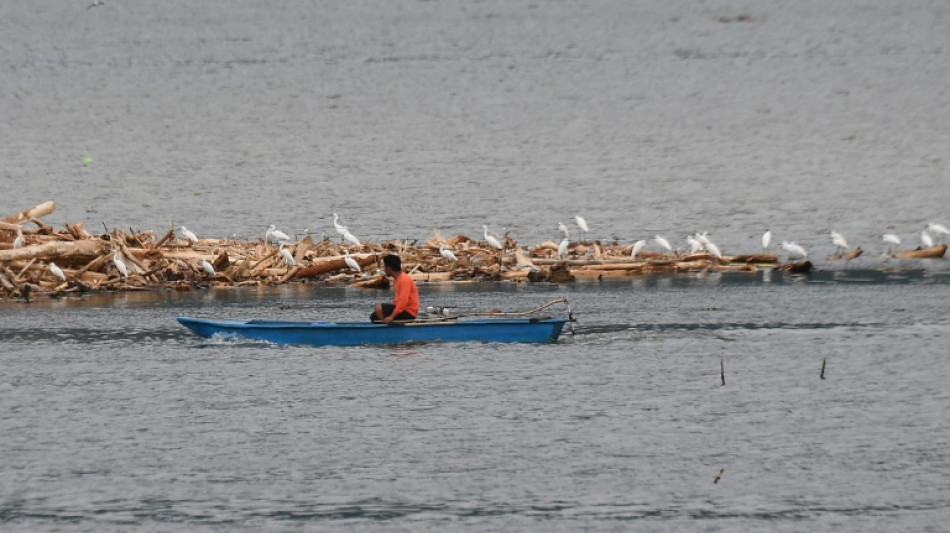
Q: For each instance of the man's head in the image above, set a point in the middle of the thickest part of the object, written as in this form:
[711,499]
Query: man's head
[392,263]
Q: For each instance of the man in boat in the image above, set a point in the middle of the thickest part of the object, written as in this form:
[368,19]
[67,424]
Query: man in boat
[405,305]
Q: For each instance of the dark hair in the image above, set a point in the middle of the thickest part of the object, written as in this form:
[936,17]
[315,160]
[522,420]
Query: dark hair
[393,262]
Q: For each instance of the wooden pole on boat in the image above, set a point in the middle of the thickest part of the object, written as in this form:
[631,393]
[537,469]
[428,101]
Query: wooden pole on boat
[722,371]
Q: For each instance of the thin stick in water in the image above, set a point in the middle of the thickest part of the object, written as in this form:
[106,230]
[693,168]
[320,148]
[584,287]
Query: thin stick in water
[722,371]
[822,374]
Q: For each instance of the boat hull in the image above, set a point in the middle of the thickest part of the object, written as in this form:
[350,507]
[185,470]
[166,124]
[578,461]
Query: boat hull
[355,333]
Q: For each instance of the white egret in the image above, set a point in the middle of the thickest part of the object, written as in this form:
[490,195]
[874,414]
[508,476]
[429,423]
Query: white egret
[663,243]
[563,229]
[694,245]
[839,241]
[562,249]
[637,246]
[288,257]
[350,238]
[891,240]
[340,228]
[492,241]
[96,3]
[275,234]
[58,272]
[766,239]
[581,223]
[939,229]
[350,262]
[18,242]
[447,254]
[207,267]
[713,249]
[119,264]
[794,250]
[703,239]
[189,235]
[926,239]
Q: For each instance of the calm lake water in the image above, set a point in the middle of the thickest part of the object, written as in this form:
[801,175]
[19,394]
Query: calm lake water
[409,116]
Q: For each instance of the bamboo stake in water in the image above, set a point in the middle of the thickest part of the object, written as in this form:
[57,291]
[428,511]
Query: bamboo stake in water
[722,371]
[718,476]
[822,374]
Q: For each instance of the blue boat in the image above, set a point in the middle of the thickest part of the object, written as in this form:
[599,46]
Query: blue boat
[537,330]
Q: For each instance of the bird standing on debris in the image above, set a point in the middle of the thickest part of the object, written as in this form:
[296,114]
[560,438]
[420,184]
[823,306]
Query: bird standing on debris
[58,272]
[340,228]
[839,241]
[207,267]
[447,254]
[939,229]
[563,230]
[794,250]
[18,242]
[766,239]
[562,249]
[891,240]
[189,235]
[119,264]
[275,234]
[350,238]
[637,246]
[582,224]
[665,244]
[288,258]
[350,262]
[492,241]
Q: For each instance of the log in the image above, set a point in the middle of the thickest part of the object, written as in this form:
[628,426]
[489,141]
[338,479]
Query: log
[222,262]
[755,258]
[612,266]
[597,274]
[302,248]
[516,275]
[37,211]
[6,284]
[88,248]
[432,276]
[78,231]
[560,274]
[797,268]
[849,256]
[934,252]
[748,267]
[378,282]
[332,265]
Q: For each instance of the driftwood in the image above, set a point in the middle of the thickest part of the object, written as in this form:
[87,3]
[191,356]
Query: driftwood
[935,252]
[755,258]
[35,212]
[75,250]
[333,265]
[849,256]
[798,268]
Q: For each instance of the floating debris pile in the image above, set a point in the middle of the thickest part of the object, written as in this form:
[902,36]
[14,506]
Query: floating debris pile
[37,260]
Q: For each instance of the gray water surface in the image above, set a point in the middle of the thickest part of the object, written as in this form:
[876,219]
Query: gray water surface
[411,116]
[115,417]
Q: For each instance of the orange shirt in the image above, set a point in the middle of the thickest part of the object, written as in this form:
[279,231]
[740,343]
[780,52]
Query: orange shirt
[407,295]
